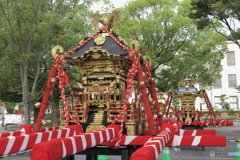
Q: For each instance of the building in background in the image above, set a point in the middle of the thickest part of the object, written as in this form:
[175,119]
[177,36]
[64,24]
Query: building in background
[228,82]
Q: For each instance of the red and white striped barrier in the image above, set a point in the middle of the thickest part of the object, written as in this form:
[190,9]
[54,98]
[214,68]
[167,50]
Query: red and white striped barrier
[135,140]
[14,133]
[62,147]
[208,123]
[141,140]
[154,147]
[215,122]
[48,145]
[226,123]
[28,128]
[14,144]
[205,140]
[129,140]
[177,126]
[197,132]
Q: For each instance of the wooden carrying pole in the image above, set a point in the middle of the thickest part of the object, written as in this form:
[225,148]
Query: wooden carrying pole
[145,100]
[157,106]
[168,104]
[209,104]
[45,99]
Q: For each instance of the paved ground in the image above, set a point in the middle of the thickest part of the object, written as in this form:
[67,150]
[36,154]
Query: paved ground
[181,153]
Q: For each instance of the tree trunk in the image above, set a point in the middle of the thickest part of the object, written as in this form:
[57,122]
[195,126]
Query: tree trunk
[36,111]
[25,91]
[55,106]
[55,114]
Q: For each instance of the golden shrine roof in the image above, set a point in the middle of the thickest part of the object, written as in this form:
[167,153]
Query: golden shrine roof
[187,85]
[107,43]
[191,89]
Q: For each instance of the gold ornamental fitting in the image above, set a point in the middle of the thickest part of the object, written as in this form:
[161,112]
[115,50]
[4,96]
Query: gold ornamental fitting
[161,102]
[153,102]
[100,40]
[44,122]
[147,58]
[160,113]
[53,80]
[56,49]
[135,45]
[37,105]
[152,79]
[142,83]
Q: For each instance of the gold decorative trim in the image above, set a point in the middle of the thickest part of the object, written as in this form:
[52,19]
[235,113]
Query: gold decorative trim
[100,40]
[135,45]
[147,58]
[96,55]
[55,49]
[92,127]
[142,83]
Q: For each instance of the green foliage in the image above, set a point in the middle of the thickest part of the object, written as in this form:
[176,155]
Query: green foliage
[10,84]
[232,112]
[225,105]
[177,48]
[74,74]
[226,12]
[28,32]
[238,88]
[10,107]
[47,125]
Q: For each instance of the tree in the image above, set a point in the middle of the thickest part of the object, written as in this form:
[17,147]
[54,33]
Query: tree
[225,105]
[10,107]
[176,104]
[177,48]
[238,88]
[10,90]
[29,29]
[224,11]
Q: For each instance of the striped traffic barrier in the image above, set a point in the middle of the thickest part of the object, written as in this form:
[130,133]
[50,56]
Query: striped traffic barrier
[237,140]
[166,154]
[238,152]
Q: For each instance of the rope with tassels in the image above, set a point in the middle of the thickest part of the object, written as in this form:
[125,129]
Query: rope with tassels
[63,80]
[146,68]
[132,71]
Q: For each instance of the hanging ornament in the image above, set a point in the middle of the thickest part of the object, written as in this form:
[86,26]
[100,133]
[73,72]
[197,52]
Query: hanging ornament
[53,80]
[44,122]
[37,105]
